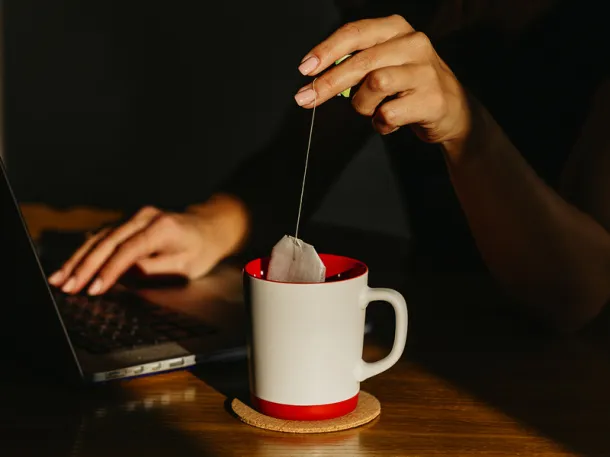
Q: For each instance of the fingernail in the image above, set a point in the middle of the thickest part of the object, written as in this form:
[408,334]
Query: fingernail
[56,277]
[69,285]
[96,287]
[309,65]
[305,97]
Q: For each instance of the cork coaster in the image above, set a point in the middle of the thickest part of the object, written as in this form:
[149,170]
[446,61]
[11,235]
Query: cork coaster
[368,409]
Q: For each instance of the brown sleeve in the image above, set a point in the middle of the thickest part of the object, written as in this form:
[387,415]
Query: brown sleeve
[586,179]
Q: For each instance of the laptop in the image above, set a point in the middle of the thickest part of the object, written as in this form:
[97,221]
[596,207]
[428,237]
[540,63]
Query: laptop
[82,339]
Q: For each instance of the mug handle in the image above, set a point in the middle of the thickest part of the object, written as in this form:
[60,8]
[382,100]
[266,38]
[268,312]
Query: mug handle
[366,370]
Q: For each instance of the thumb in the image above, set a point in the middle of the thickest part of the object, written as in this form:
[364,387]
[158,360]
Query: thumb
[163,264]
[177,264]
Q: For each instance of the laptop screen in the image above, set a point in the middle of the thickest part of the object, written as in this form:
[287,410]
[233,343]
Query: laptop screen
[32,334]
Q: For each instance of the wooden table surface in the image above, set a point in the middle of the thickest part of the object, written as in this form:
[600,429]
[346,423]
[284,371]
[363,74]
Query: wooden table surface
[476,380]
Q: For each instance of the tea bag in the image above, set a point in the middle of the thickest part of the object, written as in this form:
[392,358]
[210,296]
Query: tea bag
[293,260]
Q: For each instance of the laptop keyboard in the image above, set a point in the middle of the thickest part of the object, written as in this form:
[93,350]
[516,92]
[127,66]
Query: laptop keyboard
[104,324]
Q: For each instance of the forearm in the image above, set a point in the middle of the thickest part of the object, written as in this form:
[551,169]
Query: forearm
[552,256]
[228,217]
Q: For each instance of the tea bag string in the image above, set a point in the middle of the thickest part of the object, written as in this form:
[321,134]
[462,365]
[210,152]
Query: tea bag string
[313,116]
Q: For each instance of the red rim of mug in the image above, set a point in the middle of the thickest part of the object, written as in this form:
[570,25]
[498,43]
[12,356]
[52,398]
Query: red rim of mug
[334,264]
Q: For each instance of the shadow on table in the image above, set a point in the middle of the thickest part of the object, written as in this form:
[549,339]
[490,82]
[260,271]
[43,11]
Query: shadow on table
[231,380]
[463,330]
[97,421]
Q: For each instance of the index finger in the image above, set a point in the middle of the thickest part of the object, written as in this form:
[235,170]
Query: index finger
[145,243]
[60,277]
[352,37]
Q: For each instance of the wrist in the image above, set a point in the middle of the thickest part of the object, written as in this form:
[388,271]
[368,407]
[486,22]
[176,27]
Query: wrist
[225,220]
[474,138]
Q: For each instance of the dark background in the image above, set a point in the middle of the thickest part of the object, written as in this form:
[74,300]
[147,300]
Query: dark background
[121,104]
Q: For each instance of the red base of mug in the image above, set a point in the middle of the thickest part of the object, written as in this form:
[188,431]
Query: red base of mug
[304,413]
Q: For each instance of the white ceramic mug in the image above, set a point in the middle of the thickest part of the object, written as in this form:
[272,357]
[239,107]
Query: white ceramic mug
[306,340]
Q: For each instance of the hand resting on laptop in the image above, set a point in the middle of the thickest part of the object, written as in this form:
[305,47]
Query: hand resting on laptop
[186,244]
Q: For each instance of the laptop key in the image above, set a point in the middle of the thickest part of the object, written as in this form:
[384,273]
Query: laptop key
[186,322]
[147,336]
[127,339]
[201,330]
[177,334]
[163,327]
[111,345]
[96,349]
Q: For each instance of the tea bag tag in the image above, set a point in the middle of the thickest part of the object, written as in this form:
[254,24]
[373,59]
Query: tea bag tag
[293,260]
[347,91]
